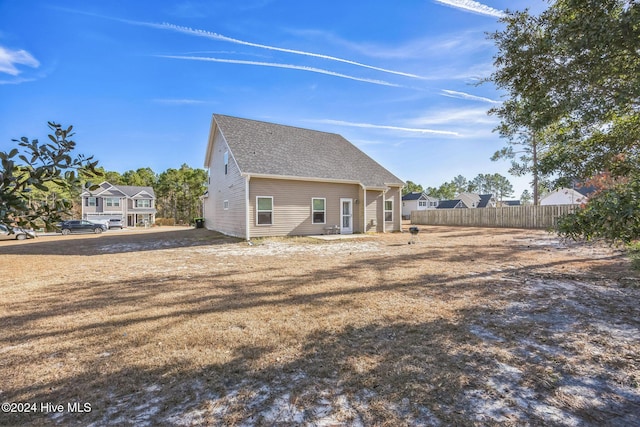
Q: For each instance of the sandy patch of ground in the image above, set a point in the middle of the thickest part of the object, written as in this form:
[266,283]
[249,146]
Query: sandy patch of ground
[186,327]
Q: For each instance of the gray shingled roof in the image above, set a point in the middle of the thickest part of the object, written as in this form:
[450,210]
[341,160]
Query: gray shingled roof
[448,204]
[128,190]
[271,149]
[412,196]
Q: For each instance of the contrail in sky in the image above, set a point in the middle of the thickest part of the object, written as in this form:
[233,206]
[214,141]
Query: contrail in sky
[278,65]
[215,36]
[372,126]
[473,6]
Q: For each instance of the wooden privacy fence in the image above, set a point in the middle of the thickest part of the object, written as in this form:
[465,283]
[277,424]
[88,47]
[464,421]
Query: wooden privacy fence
[543,217]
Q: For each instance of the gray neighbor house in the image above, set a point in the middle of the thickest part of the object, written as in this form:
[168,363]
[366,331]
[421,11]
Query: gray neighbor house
[267,179]
[131,204]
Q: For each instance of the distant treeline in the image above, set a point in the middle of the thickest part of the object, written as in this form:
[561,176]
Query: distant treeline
[178,191]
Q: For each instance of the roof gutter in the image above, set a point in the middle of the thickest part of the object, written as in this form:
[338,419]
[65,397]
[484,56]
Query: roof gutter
[301,178]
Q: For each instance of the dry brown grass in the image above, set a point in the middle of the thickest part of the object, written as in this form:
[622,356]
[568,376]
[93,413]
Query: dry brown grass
[187,327]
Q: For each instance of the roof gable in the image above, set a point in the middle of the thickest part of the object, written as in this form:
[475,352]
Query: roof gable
[415,195]
[451,204]
[261,148]
[107,189]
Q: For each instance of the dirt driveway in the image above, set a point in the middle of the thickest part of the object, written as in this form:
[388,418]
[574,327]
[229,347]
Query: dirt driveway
[183,327]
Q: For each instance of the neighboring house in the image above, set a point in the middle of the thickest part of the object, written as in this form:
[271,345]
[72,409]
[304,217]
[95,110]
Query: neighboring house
[506,203]
[473,200]
[133,205]
[567,196]
[417,201]
[451,204]
[267,179]
[468,200]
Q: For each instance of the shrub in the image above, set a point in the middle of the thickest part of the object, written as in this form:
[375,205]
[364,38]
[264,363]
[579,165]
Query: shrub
[166,221]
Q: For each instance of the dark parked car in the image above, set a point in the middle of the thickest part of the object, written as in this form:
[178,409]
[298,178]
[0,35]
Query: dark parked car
[81,226]
[18,233]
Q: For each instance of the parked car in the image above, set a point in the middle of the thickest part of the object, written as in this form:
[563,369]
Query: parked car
[18,233]
[115,223]
[81,226]
[104,222]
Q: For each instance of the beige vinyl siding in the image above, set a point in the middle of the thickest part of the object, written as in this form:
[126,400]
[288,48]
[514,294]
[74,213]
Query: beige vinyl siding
[229,186]
[395,196]
[91,209]
[292,206]
[374,211]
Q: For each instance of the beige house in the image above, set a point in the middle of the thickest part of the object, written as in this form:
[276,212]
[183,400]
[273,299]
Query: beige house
[131,204]
[267,179]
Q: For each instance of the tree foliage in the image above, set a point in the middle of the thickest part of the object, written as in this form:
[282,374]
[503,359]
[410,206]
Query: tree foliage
[179,192]
[446,191]
[572,75]
[141,177]
[495,184]
[611,215]
[34,169]
[412,187]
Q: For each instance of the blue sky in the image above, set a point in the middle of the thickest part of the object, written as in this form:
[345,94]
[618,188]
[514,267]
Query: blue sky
[139,80]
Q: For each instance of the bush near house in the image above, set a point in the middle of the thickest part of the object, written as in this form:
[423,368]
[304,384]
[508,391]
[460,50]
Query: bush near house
[165,221]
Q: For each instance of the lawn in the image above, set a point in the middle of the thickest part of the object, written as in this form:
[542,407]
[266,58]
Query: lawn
[186,327]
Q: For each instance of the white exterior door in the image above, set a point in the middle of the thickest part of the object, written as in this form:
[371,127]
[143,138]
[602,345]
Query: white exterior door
[346,216]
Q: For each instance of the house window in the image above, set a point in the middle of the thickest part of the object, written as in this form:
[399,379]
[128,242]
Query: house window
[388,210]
[225,205]
[112,202]
[92,201]
[318,210]
[226,162]
[264,210]
[422,203]
[143,203]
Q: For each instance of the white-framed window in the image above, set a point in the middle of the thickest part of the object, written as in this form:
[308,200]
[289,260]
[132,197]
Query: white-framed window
[92,201]
[264,210]
[318,210]
[112,202]
[143,203]
[422,203]
[433,204]
[226,162]
[388,210]
[225,204]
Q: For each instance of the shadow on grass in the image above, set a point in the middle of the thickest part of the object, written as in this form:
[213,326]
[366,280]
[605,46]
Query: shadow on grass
[508,365]
[434,373]
[89,245]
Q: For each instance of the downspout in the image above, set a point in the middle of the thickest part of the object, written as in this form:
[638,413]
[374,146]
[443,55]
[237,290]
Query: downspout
[246,209]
